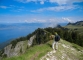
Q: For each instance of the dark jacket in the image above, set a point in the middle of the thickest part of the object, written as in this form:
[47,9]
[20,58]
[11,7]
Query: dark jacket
[57,37]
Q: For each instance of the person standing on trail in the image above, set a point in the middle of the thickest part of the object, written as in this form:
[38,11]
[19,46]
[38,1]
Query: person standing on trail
[56,39]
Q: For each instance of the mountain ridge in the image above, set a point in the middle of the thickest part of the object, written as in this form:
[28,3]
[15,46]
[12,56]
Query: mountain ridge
[40,36]
[78,23]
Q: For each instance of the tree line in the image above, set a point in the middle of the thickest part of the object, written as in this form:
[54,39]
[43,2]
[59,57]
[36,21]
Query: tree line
[69,35]
[42,36]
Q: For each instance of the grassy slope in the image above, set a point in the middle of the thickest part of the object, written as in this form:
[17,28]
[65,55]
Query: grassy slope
[71,51]
[79,28]
[33,53]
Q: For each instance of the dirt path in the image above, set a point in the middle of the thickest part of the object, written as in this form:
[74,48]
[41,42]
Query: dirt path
[49,56]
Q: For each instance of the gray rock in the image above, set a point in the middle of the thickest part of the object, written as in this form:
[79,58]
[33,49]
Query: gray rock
[19,48]
[30,41]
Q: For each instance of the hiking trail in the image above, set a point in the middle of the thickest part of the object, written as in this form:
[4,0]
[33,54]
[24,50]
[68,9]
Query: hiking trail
[64,52]
[49,56]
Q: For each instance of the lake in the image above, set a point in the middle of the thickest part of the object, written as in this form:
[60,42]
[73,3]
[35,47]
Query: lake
[11,31]
[15,30]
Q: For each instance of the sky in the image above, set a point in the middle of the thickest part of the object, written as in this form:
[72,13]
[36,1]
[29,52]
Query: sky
[41,11]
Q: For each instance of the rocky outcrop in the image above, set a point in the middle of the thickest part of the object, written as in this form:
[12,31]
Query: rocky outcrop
[19,48]
[30,41]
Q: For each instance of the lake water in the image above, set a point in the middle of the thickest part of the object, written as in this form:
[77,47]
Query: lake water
[9,31]
[12,31]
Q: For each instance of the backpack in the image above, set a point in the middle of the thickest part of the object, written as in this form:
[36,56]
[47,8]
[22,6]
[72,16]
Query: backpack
[57,37]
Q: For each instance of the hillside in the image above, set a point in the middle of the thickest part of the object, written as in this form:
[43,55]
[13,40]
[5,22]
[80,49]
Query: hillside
[66,51]
[77,26]
[78,23]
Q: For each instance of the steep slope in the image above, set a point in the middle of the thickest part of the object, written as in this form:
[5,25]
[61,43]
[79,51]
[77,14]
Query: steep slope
[20,45]
[19,48]
[66,51]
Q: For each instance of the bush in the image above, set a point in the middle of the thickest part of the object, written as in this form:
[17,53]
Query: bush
[4,55]
[1,52]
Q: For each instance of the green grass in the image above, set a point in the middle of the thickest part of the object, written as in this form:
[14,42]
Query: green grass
[36,52]
[73,27]
[76,54]
[33,53]
[78,28]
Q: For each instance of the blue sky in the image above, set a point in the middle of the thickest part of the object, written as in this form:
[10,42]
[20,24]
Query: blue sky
[41,11]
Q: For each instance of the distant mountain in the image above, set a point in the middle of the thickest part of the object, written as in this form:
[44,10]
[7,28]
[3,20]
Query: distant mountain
[63,24]
[78,23]
[58,26]
[77,26]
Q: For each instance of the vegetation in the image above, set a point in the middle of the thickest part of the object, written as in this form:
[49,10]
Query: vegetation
[33,53]
[72,33]
[42,35]
[14,42]
[1,52]
[75,31]
[69,35]
[78,26]
[38,51]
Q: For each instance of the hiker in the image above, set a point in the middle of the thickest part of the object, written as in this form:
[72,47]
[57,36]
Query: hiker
[56,39]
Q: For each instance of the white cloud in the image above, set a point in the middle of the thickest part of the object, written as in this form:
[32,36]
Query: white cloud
[35,20]
[67,19]
[51,21]
[11,7]
[42,2]
[3,7]
[35,1]
[60,2]
[56,8]
[61,8]
[17,10]
[46,20]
